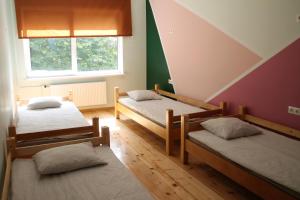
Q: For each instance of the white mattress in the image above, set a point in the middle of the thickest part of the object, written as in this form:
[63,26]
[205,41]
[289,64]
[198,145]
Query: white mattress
[270,155]
[155,110]
[109,182]
[66,116]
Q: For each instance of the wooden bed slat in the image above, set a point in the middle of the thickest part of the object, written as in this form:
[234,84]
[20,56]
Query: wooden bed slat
[54,133]
[268,124]
[94,129]
[274,126]
[184,99]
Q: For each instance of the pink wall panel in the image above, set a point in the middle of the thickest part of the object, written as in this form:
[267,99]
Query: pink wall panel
[270,89]
[201,58]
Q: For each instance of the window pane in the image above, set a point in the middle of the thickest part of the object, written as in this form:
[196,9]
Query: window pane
[94,54]
[50,54]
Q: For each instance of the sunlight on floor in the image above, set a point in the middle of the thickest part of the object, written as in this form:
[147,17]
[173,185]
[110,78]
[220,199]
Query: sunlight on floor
[110,122]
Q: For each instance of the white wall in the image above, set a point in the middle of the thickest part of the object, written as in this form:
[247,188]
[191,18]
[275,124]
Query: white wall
[134,59]
[264,26]
[6,82]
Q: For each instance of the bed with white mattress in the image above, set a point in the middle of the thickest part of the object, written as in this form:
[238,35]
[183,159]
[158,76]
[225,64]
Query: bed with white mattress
[66,116]
[23,179]
[42,125]
[109,182]
[269,155]
[155,109]
[162,116]
[267,164]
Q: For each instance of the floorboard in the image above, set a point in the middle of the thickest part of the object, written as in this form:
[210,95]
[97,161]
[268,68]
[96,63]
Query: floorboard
[165,177]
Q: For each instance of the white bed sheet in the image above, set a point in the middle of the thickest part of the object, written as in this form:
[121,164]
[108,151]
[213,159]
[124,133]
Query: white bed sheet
[156,109]
[66,116]
[270,155]
[109,182]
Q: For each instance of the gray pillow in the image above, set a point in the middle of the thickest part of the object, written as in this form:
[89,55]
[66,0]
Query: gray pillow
[142,95]
[230,128]
[44,102]
[66,158]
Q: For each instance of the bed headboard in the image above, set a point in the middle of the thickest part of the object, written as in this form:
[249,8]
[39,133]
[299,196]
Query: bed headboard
[268,124]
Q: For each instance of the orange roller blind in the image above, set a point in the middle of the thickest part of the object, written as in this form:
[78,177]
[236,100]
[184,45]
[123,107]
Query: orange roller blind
[73,18]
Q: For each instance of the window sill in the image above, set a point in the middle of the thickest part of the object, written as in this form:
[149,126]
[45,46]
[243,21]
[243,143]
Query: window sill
[74,76]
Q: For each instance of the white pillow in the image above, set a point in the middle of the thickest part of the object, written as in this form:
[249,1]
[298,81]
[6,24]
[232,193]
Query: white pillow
[141,95]
[44,102]
[66,158]
[230,128]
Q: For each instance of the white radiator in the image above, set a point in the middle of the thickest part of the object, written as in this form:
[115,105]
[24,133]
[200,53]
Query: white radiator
[83,94]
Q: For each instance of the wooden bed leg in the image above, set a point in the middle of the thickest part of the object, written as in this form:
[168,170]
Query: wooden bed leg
[105,135]
[11,146]
[12,131]
[116,98]
[184,130]
[95,127]
[242,111]
[8,166]
[169,132]
[223,106]
[156,88]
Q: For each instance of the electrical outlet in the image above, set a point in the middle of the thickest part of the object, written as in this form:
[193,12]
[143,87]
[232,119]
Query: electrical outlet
[294,110]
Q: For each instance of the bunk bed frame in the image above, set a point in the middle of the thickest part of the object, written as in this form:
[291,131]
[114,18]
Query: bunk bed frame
[241,175]
[171,131]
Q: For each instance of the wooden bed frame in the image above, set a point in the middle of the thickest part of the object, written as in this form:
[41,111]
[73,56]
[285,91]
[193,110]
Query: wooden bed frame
[27,152]
[171,131]
[91,131]
[256,184]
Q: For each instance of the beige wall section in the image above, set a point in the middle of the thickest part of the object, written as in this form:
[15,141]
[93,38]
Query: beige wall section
[134,60]
[264,26]
[6,82]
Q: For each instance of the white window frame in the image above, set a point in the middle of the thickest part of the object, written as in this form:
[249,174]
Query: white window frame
[73,72]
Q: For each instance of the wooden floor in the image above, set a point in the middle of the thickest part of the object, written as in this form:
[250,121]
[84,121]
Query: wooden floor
[165,177]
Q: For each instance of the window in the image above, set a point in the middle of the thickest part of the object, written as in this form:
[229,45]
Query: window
[73,56]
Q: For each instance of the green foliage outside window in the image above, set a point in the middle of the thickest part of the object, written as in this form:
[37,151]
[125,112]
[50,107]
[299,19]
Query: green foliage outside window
[50,54]
[93,54]
[97,54]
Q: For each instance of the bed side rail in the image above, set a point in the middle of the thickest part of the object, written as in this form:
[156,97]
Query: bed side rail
[94,129]
[184,99]
[288,131]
